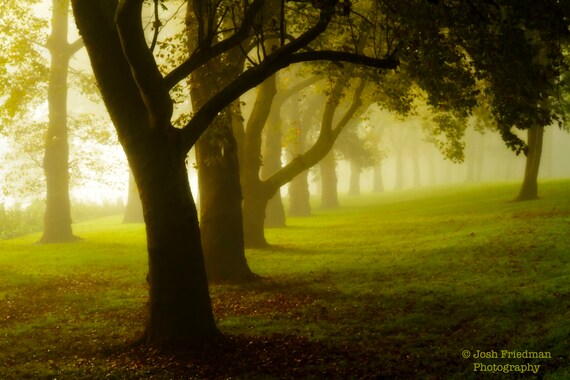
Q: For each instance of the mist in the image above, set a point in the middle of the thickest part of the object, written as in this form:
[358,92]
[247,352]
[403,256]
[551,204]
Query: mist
[264,189]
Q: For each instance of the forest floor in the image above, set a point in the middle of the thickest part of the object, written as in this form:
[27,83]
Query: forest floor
[406,285]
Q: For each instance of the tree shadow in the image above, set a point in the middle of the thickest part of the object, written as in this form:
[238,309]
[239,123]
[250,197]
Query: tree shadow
[253,357]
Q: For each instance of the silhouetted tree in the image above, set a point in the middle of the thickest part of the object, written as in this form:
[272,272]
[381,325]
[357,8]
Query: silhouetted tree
[138,99]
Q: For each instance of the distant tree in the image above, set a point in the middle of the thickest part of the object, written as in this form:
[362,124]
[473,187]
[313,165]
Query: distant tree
[517,50]
[57,222]
[302,119]
[29,81]
[133,209]
[358,146]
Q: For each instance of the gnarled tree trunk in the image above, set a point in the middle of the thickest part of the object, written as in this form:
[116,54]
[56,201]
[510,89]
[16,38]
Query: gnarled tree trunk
[180,311]
[179,302]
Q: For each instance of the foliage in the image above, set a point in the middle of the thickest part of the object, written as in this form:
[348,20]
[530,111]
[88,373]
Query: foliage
[390,286]
[22,66]
[360,145]
[519,56]
[24,70]
[446,131]
[18,220]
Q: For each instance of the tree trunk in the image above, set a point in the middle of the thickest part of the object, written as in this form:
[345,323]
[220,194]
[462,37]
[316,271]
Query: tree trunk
[329,191]
[354,182]
[133,211]
[179,303]
[474,157]
[275,212]
[57,218]
[256,193]
[529,188]
[415,160]
[399,181]
[299,195]
[180,311]
[254,208]
[221,217]
[377,179]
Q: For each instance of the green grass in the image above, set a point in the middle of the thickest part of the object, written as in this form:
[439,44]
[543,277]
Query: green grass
[393,285]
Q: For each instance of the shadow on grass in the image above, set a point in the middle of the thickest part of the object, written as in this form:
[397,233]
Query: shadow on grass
[277,356]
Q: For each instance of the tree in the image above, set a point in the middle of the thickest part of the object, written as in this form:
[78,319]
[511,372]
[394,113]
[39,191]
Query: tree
[301,122]
[138,99]
[217,155]
[360,147]
[33,81]
[57,221]
[519,58]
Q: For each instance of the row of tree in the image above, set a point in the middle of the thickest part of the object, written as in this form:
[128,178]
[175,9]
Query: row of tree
[449,57]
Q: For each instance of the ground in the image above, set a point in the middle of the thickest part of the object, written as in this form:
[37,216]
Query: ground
[396,285]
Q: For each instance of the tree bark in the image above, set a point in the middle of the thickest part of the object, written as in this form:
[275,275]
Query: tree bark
[180,311]
[529,188]
[57,218]
[179,302]
[221,217]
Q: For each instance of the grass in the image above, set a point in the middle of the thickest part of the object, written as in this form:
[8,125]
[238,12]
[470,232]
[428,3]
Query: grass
[393,285]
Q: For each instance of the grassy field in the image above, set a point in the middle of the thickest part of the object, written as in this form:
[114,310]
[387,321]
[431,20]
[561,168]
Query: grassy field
[397,285]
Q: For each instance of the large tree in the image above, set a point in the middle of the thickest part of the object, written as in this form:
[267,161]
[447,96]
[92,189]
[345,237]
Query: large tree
[517,50]
[138,99]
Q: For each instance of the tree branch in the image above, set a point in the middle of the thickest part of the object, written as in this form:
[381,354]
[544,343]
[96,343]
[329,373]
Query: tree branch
[143,65]
[338,56]
[200,56]
[250,78]
[75,46]
[324,143]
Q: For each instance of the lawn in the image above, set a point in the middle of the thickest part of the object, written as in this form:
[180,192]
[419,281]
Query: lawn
[397,285]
